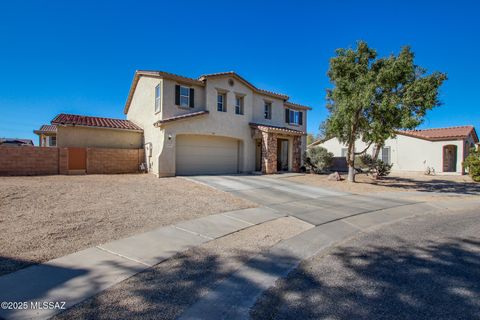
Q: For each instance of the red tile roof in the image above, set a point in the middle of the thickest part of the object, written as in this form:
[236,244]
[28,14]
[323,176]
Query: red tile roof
[46,128]
[269,128]
[439,134]
[98,122]
[180,117]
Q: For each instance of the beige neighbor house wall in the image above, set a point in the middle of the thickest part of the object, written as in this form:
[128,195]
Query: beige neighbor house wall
[215,123]
[82,137]
[408,153]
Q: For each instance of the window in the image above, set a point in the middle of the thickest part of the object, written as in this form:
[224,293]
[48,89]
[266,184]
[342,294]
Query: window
[238,105]
[293,117]
[221,99]
[184,96]
[386,155]
[53,141]
[344,152]
[158,93]
[268,110]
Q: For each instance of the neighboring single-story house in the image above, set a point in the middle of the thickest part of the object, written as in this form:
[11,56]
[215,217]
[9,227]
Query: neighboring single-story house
[443,149]
[217,123]
[47,135]
[15,142]
[69,130]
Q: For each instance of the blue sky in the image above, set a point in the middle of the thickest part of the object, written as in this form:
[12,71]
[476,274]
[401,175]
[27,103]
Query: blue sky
[61,56]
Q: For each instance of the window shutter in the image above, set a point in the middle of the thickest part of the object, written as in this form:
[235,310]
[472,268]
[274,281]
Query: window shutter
[287,115]
[177,95]
[300,118]
[192,98]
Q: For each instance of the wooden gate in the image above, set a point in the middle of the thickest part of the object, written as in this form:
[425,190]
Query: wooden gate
[77,159]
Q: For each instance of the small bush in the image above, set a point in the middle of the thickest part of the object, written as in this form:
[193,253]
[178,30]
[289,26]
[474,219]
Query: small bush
[377,168]
[318,159]
[472,164]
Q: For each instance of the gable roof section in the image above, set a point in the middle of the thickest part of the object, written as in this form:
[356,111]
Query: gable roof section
[46,128]
[200,82]
[235,75]
[95,122]
[442,134]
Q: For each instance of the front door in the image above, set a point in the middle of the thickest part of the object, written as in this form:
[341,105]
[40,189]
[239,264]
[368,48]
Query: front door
[282,155]
[258,155]
[450,158]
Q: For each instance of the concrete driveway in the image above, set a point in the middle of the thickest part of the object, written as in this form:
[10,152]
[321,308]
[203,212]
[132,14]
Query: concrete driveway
[308,203]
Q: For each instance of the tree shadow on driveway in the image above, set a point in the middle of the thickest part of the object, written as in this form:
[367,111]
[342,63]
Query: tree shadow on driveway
[432,185]
[430,281]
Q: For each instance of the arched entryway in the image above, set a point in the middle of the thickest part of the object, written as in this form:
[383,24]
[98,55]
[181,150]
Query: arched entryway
[449,158]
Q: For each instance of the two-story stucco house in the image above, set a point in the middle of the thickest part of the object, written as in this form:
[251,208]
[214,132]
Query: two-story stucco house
[217,123]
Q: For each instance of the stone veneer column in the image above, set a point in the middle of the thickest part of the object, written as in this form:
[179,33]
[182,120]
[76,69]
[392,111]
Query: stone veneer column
[297,153]
[269,153]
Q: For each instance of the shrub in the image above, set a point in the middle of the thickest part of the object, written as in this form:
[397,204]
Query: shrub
[472,164]
[377,168]
[318,159]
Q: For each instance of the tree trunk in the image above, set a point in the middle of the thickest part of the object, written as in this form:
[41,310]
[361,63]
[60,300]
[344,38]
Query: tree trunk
[351,161]
[378,147]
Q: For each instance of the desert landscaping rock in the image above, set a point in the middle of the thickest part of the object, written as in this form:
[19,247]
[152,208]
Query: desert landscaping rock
[45,217]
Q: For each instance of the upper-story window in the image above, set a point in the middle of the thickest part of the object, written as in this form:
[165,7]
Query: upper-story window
[53,141]
[294,117]
[221,99]
[184,96]
[267,113]
[158,98]
[238,105]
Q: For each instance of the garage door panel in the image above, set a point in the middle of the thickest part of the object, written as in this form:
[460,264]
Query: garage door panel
[206,155]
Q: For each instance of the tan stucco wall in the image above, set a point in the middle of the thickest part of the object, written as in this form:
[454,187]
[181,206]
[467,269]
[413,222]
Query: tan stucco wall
[75,136]
[408,153]
[226,124]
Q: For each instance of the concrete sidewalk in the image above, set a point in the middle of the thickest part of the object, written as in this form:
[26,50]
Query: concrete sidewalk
[234,297]
[75,277]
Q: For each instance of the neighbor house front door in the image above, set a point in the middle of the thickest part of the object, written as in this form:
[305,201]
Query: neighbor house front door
[450,158]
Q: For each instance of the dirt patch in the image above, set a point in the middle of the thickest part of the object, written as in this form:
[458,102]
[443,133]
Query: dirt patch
[395,183]
[42,218]
[167,289]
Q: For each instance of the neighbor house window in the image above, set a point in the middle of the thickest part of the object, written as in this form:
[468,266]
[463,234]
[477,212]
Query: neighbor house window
[293,117]
[238,105]
[184,96]
[268,110]
[344,152]
[158,94]
[221,98]
[386,155]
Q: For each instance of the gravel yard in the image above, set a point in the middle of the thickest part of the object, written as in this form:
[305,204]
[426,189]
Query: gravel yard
[45,217]
[395,182]
[166,290]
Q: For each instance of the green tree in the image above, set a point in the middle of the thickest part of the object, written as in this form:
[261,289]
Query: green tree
[374,97]
[310,138]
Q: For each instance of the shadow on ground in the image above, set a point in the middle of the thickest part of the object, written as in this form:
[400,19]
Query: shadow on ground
[430,281]
[166,290]
[433,185]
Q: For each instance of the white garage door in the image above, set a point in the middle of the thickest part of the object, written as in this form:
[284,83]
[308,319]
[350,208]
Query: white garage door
[206,155]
